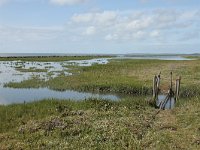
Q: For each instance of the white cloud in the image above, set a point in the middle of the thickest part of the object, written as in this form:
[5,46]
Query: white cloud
[131,25]
[140,27]
[139,24]
[110,37]
[139,35]
[105,17]
[67,2]
[155,33]
[90,31]
[81,18]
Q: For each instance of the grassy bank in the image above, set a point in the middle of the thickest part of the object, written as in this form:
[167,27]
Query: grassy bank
[123,76]
[98,124]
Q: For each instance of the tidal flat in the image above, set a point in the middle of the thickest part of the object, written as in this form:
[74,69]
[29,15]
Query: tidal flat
[129,122]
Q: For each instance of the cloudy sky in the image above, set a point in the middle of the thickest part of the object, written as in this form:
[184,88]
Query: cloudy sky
[100,26]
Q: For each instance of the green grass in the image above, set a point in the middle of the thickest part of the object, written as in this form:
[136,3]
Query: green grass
[177,128]
[99,124]
[193,57]
[87,124]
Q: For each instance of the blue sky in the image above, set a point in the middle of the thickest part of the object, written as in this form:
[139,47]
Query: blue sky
[99,26]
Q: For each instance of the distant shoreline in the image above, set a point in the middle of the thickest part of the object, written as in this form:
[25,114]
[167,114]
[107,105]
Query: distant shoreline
[48,55]
[14,55]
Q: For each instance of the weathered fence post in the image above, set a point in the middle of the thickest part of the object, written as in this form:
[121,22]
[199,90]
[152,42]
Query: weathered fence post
[177,91]
[171,81]
[171,95]
[158,83]
[154,87]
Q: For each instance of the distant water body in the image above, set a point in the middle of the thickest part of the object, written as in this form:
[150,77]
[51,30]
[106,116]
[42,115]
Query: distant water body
[155,57]
[116,56]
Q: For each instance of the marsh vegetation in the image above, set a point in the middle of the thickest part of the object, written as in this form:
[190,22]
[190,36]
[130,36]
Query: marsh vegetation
[129,123]
[121,76]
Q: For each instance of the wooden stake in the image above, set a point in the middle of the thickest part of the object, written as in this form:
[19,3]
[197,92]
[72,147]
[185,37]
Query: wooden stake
[158,83]
[178,84]
[154,87]
[171,81]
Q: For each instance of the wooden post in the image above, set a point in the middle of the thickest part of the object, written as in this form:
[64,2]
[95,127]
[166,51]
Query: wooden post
[176,89]
[171,81]
[179,86]
[170,95]
[158,83]
[177,92]
[154,87]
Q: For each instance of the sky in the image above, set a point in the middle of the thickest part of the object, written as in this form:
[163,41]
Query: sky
[100,26]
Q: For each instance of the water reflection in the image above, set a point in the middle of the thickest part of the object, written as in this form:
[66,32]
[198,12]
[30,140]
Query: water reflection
[10,72]
[170,103]
[10,95]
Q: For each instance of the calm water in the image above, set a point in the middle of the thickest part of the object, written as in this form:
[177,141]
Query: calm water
[10,95]
[9,73]
[156,57]
[170,104]
[9,70]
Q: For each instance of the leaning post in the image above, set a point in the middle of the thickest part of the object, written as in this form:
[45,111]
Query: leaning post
[154,87]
